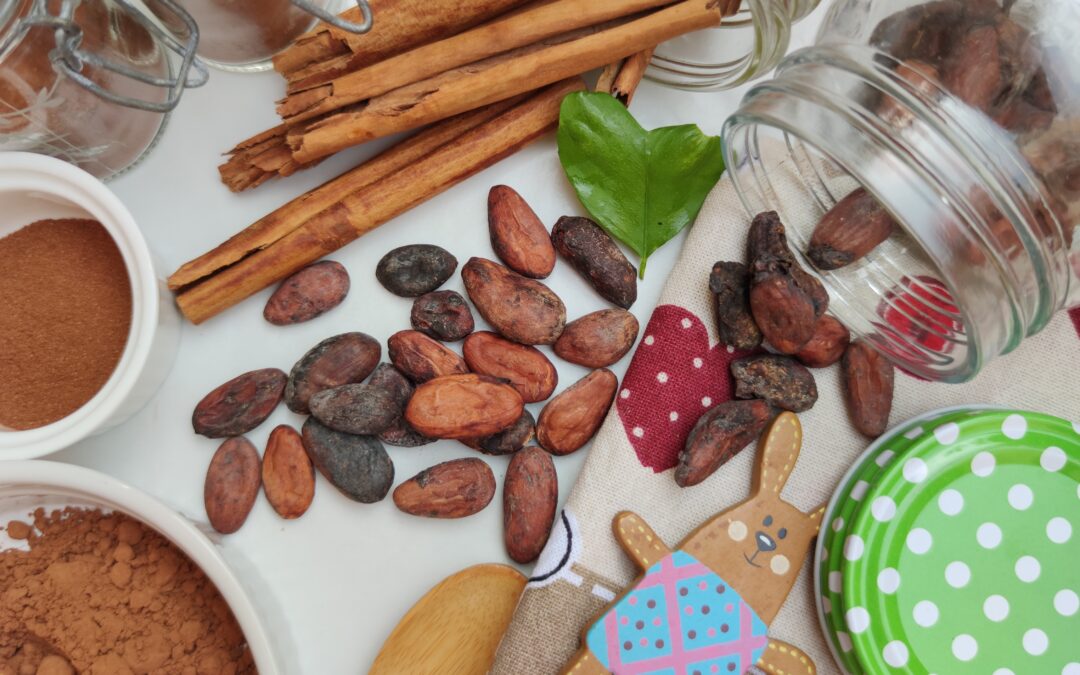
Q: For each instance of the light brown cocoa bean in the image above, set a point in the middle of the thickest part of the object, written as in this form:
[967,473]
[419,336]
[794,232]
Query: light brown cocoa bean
[519,238]
[868,388]
[232,484]
[453,489]
[422,358]
[848,231]
[239,405]
[530,497]
[288,476]
[830,340]
[463,406]
[312,291]
[720,434]
[596,256]
[342,359]
[570,419]
[598,339]
[521,309]
[524,367]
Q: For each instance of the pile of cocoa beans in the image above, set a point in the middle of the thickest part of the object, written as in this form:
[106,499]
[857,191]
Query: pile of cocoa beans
[357,405]
[773,302]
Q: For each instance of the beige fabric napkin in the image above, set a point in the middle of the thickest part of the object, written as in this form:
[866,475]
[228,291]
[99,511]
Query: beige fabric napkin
[679,371]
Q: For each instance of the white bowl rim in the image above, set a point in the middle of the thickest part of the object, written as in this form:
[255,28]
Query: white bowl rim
[35,171]
[31,477]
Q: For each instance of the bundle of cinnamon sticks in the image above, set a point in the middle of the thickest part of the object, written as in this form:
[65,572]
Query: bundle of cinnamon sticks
[345,90]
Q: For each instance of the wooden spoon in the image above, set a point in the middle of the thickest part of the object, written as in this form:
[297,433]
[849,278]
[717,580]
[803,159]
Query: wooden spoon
[456,627]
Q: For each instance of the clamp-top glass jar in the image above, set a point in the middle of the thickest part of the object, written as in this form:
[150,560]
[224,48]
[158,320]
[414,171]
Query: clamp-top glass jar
[962,119]
[89,81]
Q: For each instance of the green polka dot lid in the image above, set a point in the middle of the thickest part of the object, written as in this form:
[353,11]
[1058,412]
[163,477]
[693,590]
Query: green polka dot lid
[962,557]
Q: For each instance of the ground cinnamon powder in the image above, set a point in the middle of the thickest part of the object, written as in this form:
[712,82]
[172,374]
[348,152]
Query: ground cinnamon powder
[102,594]
[65,312]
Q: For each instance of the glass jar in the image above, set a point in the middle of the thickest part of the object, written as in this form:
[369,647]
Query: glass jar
[962,119]
[242,35]
[749,43]
[88,81]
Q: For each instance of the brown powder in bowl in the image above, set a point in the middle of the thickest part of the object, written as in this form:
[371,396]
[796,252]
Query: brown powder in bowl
[65,313]
[110,596]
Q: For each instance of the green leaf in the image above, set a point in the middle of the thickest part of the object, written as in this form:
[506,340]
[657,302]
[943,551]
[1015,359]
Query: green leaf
[643,187]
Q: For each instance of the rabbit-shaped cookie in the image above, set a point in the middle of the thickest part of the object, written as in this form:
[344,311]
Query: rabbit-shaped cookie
[705,607]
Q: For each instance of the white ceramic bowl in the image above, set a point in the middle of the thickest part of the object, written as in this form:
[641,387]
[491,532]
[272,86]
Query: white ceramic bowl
[35,187]
[24,486]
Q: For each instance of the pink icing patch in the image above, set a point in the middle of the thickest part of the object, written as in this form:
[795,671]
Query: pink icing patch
[729,608]
[633,600]
[644,642]
[625,620]
[702,585]
[711,632]
[689,611]
[657,621]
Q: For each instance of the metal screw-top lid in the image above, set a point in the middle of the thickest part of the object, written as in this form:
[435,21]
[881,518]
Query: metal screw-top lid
[336,21]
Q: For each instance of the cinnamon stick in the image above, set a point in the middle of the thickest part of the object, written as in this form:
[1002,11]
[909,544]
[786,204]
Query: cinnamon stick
[630,74]
[501,35]
[496,78]
[213,285]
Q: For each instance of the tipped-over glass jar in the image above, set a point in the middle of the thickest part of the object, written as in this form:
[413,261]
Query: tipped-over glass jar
[962,119]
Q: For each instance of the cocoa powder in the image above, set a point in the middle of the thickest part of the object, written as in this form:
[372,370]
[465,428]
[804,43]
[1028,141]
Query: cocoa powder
[65,312]
[103,594]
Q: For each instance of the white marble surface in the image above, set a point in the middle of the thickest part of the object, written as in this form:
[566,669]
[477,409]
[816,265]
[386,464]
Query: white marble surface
[334,583]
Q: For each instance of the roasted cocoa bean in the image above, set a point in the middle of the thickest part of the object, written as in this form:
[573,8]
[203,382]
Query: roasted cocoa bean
[342,359]
[848,231]
[519,238]
[573,417]
[525,368]
[399,433]
[463,406]
[596,256]
[720,434]
[288,476]
[521,309]
[868,388]
[239,405]
[922,32]
[972,72]
[830,340]
[454,489]
[359,409]
[506,442]
[779,380]
[232,484]
[312,291]
[530,497]
[422,358]
[598,339]
[730,283]
[411,271]
[443,315]
[358,466]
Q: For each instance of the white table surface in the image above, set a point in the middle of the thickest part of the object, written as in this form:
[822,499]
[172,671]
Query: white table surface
[333,584]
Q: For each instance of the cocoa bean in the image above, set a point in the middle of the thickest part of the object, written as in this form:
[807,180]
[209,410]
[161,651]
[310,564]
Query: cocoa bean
[232,484]
[848,231]
[508,441]
[923,32]
[720,434]
[573,417]
[519,238]
[598,339]
[359,409]
[830,340]
[525,368]
[730,282]
[288,477]
[596,256]
[342,359]
[454,489]
[411,271]
[239,405]
[868,388]
[463,406]
[521,309]
[443,315]
[399,433]
[779,380]
[530,497]
[972,72]
[422,358]
[314,290]
[357,466]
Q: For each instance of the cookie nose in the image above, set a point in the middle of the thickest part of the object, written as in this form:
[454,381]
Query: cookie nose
[765,543]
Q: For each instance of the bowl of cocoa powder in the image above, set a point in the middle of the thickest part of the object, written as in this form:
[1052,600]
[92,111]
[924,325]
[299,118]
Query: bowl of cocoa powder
[98,577]
[86,327]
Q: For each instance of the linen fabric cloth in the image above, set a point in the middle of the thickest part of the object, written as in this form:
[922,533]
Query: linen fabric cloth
[678,372]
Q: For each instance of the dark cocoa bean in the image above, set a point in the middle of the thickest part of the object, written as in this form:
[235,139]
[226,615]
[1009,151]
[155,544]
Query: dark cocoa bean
[868,388]
[530,498]
[239,405]
[856,225]
[506,442]
[720,434]
[779,380]
[519,238]
[454,489]
[232,484]
[521,309]
[342,359]
[358,466]
[463,406]
[730,282]
[312,291]
[288,476]
[443,315]
[830,340]
[573,417]
[525,368]
[399,433]
[598,339]
[359,409]
[596,256]
[411,271]
[422,358]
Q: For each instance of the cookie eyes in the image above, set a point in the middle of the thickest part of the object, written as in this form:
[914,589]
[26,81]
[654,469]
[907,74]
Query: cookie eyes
[767,522]
[782,533]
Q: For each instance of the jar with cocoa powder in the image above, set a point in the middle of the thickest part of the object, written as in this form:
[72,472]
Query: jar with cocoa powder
[90,81]
[961,119]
